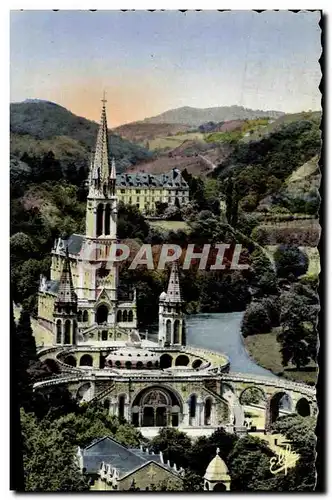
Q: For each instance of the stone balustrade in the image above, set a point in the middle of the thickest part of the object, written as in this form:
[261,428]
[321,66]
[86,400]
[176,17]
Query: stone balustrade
[274,382]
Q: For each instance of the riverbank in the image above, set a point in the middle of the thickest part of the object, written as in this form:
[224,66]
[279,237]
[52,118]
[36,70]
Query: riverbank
[264,349]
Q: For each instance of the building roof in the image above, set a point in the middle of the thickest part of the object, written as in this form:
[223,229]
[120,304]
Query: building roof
[66,291]
[172,179]
[119,456]
[173,290]
[100,168]
[74,243]
[52,286]
[133,354]
[217,469]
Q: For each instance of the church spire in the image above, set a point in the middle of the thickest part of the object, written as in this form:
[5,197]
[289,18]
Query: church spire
[173,290]
[100,163]
[66,291]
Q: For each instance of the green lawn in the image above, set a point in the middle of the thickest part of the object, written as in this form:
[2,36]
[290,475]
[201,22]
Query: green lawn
[172,142]
[169,225]
[264,349]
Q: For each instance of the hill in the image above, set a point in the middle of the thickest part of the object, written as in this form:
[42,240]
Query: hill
[196,116]
[40,126]
[142,132]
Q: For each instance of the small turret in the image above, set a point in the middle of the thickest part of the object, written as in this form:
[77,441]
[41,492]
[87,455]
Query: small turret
[171,316]
[216,477]
[65,307]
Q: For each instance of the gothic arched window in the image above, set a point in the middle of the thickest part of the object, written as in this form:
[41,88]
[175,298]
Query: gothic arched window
[67,332]
[58,331]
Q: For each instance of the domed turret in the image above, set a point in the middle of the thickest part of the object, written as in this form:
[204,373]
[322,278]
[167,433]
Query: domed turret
[133,358]
[216,477]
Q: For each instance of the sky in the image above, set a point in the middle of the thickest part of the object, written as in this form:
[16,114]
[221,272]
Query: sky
[149,62]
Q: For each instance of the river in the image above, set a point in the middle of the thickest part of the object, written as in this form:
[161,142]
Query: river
[222,332]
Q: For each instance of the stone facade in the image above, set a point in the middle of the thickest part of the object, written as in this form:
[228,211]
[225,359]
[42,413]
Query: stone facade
[145,190]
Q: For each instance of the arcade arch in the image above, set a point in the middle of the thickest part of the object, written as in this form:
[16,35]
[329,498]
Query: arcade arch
[166,361]
[182,360]
[303,407]
[86,360]
[70,360]
[278,401]
[252,395]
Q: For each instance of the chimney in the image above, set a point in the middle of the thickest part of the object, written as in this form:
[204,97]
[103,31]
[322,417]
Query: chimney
[161,457]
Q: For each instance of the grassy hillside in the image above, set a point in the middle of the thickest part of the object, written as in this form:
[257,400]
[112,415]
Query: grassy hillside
[197,116]
[265,350]
[42,126]
[280,121]
[145,132]
[261,168]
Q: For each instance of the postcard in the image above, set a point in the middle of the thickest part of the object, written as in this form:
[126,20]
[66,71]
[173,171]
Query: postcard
[165,172]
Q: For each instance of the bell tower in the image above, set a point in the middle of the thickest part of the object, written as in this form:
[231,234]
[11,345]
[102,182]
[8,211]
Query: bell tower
[101,212]
[171,315]
[65,308]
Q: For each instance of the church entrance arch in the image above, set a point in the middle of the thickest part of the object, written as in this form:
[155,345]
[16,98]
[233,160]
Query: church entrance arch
[102,314]
[156,407]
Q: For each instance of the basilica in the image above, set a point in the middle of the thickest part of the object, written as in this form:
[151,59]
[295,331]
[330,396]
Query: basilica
[101,356]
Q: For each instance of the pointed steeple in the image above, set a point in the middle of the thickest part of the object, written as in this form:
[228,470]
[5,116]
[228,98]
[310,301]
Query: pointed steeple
[66,291]
[113,170]
[173,290]
[113,178]
[100,163]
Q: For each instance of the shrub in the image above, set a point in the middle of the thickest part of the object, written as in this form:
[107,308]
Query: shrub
[256,320]
[290,260]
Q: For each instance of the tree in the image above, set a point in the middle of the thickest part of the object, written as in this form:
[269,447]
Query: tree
[49,458]
[290,260]
[192,481]
[131,223]
[16,465]
[249,465]
[203,450]
[263,279]
[301,432]
[174,445]
[256,320]
[173,212]
[298,338]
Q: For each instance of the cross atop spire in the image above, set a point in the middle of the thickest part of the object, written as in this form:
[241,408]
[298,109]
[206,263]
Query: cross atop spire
[104,100]
[173,290]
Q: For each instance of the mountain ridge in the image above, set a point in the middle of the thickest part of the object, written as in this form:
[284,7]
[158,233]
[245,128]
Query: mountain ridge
[196,116]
